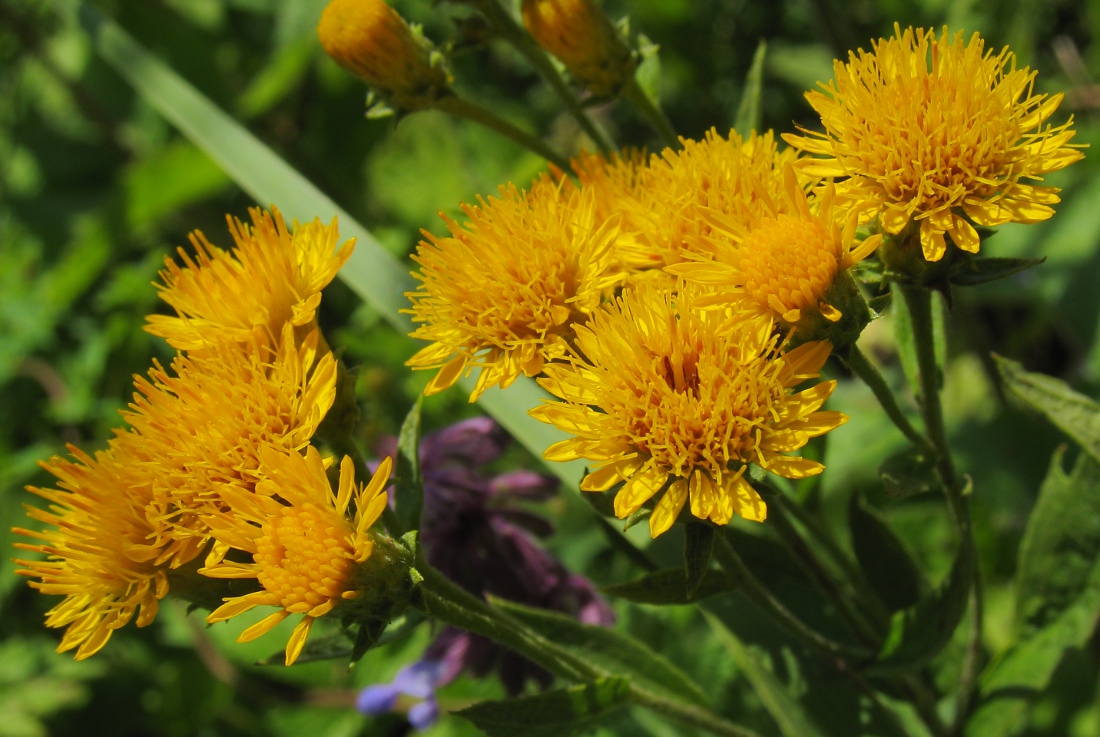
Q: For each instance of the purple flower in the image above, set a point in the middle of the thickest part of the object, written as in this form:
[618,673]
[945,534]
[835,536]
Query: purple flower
[477,533]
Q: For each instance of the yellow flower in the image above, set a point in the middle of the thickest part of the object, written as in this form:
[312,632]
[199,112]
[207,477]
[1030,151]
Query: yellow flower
[370,40]
[504,292]
[786,257]
[305,548]
[99,553]
[670,395]
[660,202]
[200,430]
[584,40]
[271,278]
[933,129]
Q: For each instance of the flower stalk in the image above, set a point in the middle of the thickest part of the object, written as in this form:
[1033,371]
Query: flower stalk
[856,360]
[653,113]
[462,108]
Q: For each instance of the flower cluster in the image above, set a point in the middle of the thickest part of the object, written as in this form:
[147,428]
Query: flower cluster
[212,462]
[676,303]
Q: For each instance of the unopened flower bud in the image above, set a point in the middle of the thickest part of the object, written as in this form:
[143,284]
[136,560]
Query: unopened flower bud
[584,40]
[369,39]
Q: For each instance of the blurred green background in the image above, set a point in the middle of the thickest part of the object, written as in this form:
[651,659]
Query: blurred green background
[96,188]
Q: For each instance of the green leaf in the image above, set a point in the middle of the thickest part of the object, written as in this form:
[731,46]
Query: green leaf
[558,713]
[371,272]
[917,634]
[984,270]
[787,713]
[648,74]
[698,544]
[748,110]
[615,653]
[886,563]
[409,483]
[880,304]
[909,473]
[669,586]
[1058,596]
[1074,414]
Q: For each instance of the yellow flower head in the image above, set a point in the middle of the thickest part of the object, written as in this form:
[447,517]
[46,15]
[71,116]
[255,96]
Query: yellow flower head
[504,292]
[271,278]
[201,429]
[584,40]
[660,202]
[933,129]
[670,395]
[370,40]
[99,553]
[306,547]
[786,257]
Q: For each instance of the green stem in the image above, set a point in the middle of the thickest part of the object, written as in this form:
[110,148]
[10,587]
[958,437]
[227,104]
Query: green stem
[462,108]
[513,33]
[750,586]
[440,598]
[861,366]
[656,117]
[919,301]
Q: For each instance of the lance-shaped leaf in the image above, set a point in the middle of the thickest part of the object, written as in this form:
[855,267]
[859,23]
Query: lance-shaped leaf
[787,713]
[984,270]
[748,110]
[1074,414]
[559,713]
[669,587]
[614,653]
[888,566]
[1058,596]
[409,483]
[919,633]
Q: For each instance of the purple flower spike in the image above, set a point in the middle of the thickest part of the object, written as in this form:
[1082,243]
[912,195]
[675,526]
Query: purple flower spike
[419,679]
[376,700]
[424,714]
[477,532]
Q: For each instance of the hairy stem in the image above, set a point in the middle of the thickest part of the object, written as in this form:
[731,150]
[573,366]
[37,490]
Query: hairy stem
[656,117]
[856,360]
[461,108]
[513,33]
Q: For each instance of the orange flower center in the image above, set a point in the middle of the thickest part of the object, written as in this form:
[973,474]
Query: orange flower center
[304,557]
[788,262]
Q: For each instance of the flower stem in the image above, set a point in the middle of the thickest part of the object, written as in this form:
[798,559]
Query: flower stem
[750,586]
[440,598]
[513,33]
[856,360]
[919,301]
[656,117]
[462,108]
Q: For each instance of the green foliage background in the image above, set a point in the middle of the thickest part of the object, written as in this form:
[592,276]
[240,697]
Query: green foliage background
[96,188]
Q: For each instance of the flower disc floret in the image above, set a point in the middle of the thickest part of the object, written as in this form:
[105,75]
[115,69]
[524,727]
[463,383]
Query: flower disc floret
[305,544]
[272,277]
[785,257]
[673,396]
[939,131]
[504,292]
[98,548]
[201,427]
